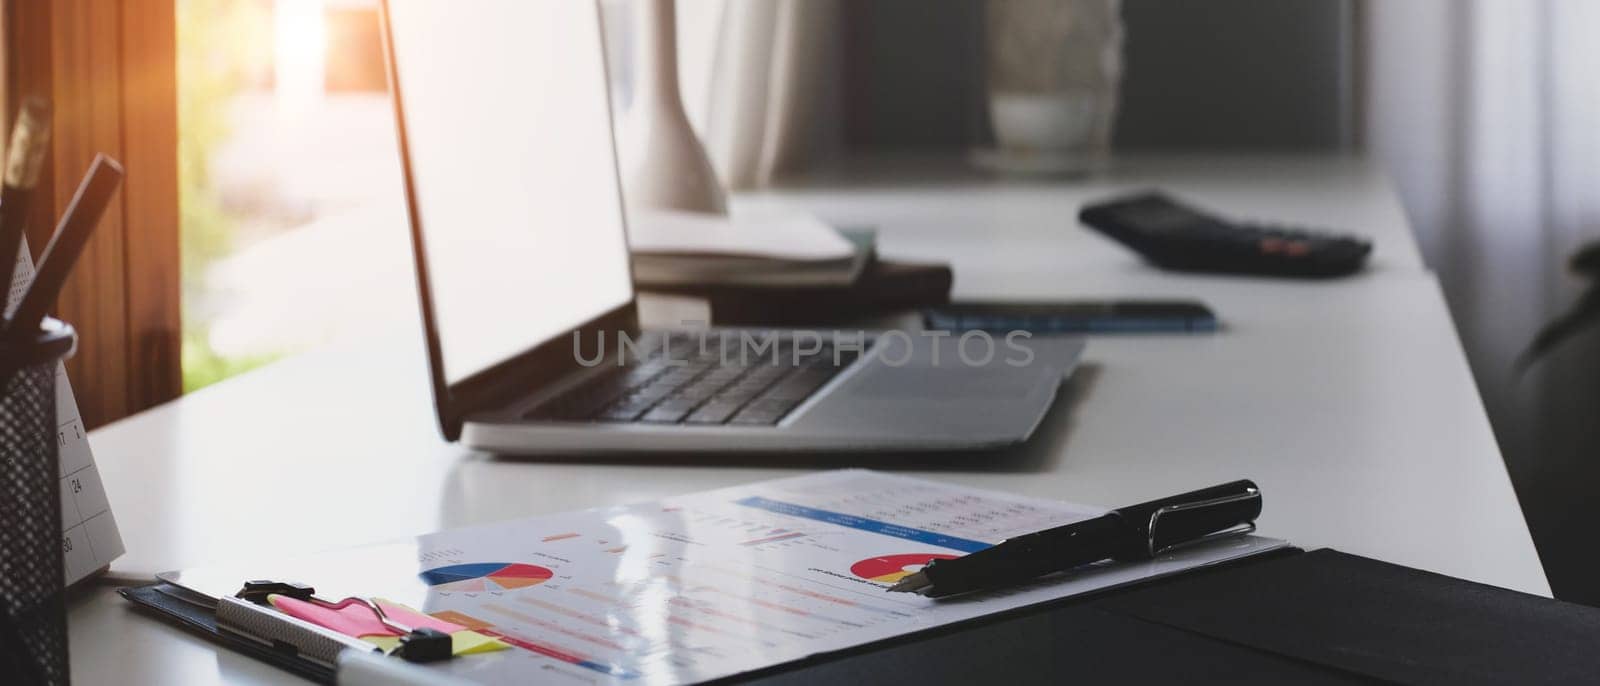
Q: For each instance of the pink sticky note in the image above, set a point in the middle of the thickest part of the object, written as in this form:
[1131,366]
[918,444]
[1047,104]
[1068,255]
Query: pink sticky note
[414,619]
[359,620]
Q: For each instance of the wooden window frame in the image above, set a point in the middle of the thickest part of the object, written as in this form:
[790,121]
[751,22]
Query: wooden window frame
[109,68]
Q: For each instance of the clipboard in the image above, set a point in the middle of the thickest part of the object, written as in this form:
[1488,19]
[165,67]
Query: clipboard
[1024,645]
[707,586]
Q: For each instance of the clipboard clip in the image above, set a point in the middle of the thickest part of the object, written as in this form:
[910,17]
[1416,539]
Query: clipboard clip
[420,644]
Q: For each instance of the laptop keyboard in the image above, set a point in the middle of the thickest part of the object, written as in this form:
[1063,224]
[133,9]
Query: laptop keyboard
[687,379]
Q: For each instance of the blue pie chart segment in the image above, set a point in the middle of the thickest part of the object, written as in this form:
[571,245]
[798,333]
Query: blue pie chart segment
[445,575]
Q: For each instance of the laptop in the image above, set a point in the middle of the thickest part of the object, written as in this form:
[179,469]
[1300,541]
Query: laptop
[520,241]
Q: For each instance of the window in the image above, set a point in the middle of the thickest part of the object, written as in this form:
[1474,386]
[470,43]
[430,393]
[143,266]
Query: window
[293,218]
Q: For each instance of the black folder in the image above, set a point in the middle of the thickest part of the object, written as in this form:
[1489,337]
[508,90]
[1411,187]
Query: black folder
[1314,618]
[1322,617]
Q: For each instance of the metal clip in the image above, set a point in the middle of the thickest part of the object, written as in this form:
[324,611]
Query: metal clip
[416,644]
[1237,530]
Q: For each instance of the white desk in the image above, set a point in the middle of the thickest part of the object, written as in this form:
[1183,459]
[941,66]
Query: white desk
[1349,401]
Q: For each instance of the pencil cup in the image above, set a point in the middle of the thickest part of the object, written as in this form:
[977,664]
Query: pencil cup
[33,620]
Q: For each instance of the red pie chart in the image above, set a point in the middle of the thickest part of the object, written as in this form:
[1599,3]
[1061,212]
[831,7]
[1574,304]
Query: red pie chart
[891,568]
[486,576]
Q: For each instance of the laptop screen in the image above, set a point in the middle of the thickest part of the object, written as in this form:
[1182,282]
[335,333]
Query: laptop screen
[512,171]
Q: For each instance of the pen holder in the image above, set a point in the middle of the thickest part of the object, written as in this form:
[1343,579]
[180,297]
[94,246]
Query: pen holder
[33,621]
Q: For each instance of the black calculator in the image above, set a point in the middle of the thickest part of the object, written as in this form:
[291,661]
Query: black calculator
[1174,236]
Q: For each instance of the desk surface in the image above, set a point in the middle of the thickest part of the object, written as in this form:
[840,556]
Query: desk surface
[1349,401]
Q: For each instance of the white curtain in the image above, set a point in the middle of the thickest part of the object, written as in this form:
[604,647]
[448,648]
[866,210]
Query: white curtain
[1487,113]
[758,77]
[757,80]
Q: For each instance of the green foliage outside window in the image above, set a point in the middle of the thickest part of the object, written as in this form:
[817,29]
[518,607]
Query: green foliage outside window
[217,40]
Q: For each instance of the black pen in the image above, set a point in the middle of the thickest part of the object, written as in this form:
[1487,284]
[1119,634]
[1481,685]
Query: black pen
[24,158]
[77,223]
[1137,532]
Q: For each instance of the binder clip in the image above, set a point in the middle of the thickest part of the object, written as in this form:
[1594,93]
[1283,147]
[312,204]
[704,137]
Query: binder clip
[416,644]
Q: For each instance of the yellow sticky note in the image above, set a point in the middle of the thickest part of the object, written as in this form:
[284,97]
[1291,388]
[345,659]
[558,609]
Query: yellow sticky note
[471,642]
[461,643]
[389,643]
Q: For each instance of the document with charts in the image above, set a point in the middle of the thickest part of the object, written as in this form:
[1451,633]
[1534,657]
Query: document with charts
[89,537]
[706,585]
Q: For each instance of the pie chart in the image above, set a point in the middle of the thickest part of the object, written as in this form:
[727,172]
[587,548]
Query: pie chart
[486,576]
[891,568]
